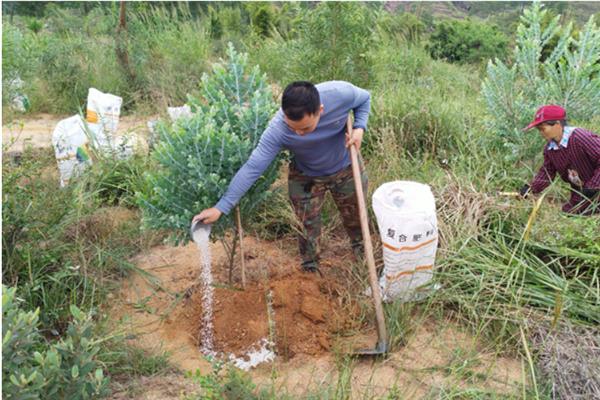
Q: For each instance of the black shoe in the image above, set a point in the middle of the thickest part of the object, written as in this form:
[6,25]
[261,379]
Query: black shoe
[359,253]
[311,267]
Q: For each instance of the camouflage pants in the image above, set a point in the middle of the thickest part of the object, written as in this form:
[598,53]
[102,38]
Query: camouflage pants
[307,194]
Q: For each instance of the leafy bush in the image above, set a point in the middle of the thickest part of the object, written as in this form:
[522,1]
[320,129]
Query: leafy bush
[335,39]
[226,382]
[423,102]
[230,19]
[168,51]
[115,181]
[576,239]
[403,27]
[330,42]
[262,17]
[466,41]
[568,77]
[199,156]
[33,369]
[13,56]
[18,61]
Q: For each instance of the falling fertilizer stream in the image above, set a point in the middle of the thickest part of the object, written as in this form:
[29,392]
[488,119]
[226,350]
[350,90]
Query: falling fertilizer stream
[258,353]
[200,236]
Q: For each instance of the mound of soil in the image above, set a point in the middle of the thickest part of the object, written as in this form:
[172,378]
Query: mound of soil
[165,306]
[304,313]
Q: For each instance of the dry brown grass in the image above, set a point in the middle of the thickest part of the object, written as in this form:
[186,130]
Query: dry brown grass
[461,210]
[569,358]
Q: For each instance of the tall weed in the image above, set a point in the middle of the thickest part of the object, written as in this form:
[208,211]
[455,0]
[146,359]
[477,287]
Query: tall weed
[62,246]
[170,50]
[430,105]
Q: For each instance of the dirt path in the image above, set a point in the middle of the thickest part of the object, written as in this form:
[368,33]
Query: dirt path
[310,312]
[36,130]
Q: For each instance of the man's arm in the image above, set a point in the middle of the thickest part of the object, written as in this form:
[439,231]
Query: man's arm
[361,106]
[544,177]
[262,156]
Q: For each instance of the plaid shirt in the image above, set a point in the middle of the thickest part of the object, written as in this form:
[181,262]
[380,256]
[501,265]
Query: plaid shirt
[577,160]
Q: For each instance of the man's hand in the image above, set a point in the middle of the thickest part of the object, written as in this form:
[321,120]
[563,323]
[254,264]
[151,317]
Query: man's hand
[355,138]
[524,191]
[208,216]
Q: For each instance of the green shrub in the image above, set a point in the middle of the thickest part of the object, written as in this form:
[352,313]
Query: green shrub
[168,50]
[403,27]
[13,54]
[68,67]
[198,157]
[429,105]
[73,54]
[227,382]
[262,18]
[35,25]
[34,369]
[568,77]
[574,239]
[34,254]
[115,181]
[466,41]
[18,64]
[334,41]
[329,42]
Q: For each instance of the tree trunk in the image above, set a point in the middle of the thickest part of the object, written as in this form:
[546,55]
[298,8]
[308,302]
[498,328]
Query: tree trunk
[121,43]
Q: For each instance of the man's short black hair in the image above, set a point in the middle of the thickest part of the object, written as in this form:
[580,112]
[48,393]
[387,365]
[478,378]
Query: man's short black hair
[299,99]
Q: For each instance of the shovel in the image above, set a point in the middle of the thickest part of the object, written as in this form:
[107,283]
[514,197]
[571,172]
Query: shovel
[382,347]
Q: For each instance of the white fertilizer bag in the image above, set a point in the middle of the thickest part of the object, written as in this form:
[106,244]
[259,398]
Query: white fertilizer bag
[102,114]
[407,223]
[179,112]
[71,148]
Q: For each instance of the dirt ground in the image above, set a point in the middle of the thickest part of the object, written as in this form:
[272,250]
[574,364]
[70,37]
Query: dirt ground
[161,306]
[36,130]
[304,315]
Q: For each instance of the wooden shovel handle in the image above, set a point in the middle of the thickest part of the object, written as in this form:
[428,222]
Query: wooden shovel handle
[364,225]
[238,222]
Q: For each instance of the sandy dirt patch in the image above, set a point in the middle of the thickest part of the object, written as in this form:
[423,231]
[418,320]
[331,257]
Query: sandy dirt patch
[36,130]
[164,307]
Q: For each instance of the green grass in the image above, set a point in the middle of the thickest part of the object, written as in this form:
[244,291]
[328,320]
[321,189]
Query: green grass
[70,246]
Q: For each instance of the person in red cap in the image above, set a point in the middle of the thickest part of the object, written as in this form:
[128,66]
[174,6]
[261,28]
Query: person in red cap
[574,154]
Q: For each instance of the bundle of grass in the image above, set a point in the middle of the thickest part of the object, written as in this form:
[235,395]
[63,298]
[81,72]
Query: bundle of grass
[461,211]
[569,358]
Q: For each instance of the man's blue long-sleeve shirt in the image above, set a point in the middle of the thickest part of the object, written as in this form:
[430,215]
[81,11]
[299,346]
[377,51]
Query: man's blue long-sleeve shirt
[318,153]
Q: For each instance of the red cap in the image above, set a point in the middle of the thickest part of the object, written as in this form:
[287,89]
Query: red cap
[547,113]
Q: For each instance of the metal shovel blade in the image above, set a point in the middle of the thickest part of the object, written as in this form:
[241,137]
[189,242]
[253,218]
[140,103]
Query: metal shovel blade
[381,349]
